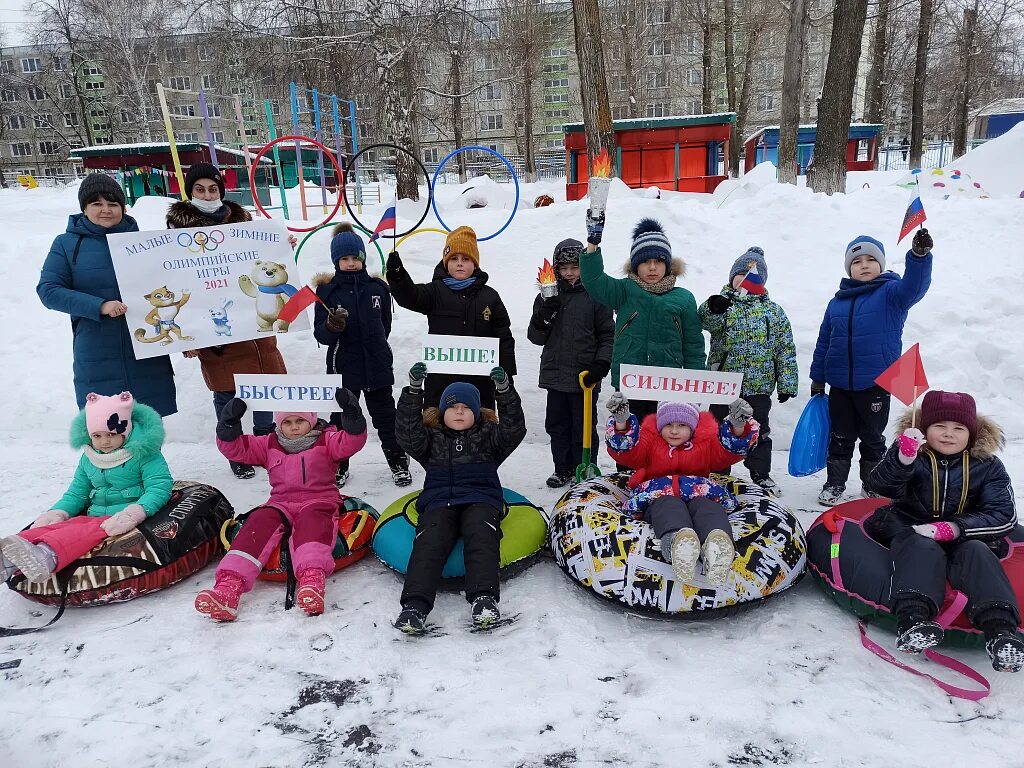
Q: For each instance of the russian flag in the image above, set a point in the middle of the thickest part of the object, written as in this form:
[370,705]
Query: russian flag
[388,221]
[298,303]
[753,282]
[915,217]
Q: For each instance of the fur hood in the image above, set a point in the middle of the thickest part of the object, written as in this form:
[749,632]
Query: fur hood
[184,215]
[145,440]
[432,418]
[678,267]
[988,438]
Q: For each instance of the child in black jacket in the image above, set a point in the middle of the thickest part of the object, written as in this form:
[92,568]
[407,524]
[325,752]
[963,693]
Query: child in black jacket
[951,503]
[355,325]
[461,446]
[577,334]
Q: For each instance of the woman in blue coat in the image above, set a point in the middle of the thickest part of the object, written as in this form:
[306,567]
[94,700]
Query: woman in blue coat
[78,278]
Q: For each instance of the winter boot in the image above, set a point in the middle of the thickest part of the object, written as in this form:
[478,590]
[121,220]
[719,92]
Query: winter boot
[399,464]
[1005,647]
[866,468]
[681,549]
[221,602]
[242,471]
[341,477]
[718,554]
[766,484]
[485,611]
[915,631]
[559,479]
[37,562]
[7,568]
[310,594]
[412,621]
[831,495]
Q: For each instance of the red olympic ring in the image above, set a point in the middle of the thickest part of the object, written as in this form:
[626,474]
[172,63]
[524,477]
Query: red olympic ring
[339,175]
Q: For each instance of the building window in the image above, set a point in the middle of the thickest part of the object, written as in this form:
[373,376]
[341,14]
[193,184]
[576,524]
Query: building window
[31,65]
[616,52]
[218,137]
[694,44]
[431,155]
[48,148]
[657,79]
[768,70]
[21,149]
[204,53]
[659,14]
[182,110]
[552,114]
[275,108]
[35,94]
[70,119]
[694,77]
[490,92]
[9,95]
[94,85]
[552,68]
[362,101]
[492,122]
[364,131]
[556,53]
[188,137]
[213,110]
[43,121]
[659,48]
[427,99]
[17,122]
[766,103]
[619,83]
[427,127]
[620,112]
[657,109]
[694,107]
[559,83]
[486,63]
[7,67]
[486,30]
[209,82]
[556,98]
[176,55]
[553,129]
[126,117]
[67,91]
[91,70]
[180,83]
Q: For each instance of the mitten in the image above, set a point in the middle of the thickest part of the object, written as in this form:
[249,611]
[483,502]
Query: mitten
[229,426]
[596,371]
[595,228]
[352,419]
[618,407]
[127,519]
[784,396]
[909,443]
[394,263]
[938,531]
[336,319]
[417,375]
[922,243]
[500,378]
[740,412]
[718,304]
[817,388]
[548,309]
[52,517]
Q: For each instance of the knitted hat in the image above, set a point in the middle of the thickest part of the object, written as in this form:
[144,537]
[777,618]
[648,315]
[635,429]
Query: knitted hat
[346,243]
[649,242]
[96,184]
[460,392]
[678,413]
[109,414]
[742,265]
[310,416]
[199,171]
[865,246]
[567,252]
[949,406]
[461,240]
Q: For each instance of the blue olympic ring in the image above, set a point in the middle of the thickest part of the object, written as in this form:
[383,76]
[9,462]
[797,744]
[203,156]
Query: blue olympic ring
[511,170]
[202,241]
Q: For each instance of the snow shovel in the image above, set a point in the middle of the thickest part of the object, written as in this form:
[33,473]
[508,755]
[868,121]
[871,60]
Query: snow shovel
[587,470]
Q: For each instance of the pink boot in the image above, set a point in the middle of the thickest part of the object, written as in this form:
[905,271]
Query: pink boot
[310,594]
[221,602]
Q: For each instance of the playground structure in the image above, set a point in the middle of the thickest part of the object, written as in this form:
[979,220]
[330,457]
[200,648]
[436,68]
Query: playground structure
[861,139]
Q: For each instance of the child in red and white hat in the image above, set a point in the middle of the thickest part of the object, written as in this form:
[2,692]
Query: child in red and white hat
[951,504]
[121,480]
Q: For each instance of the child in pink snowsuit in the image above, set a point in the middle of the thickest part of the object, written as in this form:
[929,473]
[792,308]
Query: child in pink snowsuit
[121,480]
[301,457]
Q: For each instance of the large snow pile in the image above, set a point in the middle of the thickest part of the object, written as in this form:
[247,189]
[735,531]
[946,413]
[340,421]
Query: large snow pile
[574,682]
[998,165]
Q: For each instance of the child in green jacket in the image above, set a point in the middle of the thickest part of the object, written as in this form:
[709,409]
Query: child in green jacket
[121,480]
[750,334]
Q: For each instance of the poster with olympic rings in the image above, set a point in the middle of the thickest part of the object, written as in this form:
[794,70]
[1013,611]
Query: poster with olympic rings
[205,286]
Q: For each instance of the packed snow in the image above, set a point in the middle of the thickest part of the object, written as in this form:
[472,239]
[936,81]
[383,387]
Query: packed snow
[574,682]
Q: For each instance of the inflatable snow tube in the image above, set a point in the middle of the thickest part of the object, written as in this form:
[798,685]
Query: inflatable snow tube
[523,534]
[169,546]
[356,521]
[615,556]
[855,570]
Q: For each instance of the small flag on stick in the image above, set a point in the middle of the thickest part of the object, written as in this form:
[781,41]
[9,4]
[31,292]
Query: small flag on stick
[388,221]
[905,378]
[914,217]
[297,304]
[752,282]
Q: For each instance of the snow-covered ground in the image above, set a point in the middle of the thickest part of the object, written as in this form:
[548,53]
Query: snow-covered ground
[575,682]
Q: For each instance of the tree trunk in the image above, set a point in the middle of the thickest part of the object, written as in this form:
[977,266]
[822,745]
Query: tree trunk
[924,27]
[455,80]
[729,26]
[743,104]
[879,52]
[529,156]
[707,93]
[828,169]
[597,115]
[963,97]
[792,87]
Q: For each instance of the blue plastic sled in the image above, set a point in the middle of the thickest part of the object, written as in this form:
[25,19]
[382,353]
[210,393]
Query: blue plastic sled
[809,448]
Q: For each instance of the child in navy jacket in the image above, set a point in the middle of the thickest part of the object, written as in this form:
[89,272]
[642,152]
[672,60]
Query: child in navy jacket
[355,325]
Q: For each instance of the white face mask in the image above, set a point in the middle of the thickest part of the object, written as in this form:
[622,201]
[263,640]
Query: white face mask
[207,206]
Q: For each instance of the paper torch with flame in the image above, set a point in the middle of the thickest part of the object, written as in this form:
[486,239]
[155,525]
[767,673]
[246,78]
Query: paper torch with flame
[547,280]
[600,183]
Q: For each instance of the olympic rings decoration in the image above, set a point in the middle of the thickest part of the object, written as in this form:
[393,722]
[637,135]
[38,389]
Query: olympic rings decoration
[418,231]
[511,170]
[201,242]
[350,166]
[302,242]
[330,155]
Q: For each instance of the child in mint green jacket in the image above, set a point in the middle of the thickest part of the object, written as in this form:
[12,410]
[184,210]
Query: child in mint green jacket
[121,480]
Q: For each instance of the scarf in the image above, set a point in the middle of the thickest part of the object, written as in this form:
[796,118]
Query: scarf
[106,460]
[287,289]
[217,215]
[298,444]
[459,285]
[666,284]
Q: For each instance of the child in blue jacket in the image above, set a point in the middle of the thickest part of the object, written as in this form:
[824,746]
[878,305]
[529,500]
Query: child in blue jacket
[355,325]
[860,336]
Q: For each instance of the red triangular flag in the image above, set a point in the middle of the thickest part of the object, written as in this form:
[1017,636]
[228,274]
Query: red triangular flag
[905,378]
[297,304]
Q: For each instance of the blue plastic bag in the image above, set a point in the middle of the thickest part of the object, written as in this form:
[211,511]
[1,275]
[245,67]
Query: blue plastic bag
[809,449]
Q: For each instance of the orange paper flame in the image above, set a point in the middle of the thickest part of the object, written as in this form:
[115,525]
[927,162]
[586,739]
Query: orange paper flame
[602,167]
[546,274]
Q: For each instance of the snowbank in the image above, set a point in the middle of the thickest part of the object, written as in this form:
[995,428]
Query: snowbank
[997,164]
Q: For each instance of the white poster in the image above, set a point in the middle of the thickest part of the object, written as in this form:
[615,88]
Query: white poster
[207,286]
[679,385]
[288,392]
[471,355]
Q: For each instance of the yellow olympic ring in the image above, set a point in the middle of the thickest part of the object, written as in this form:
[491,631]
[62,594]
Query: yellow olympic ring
[418,231]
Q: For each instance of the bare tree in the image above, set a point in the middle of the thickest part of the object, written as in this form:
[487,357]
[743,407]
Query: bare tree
[597,115]
[879,51]
[924,25]
[792,87]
